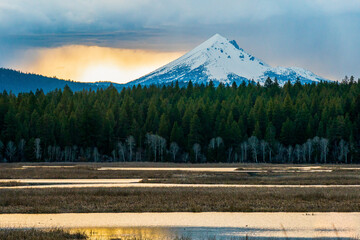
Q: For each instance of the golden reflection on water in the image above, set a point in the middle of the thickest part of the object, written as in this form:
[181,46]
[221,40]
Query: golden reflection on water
[127,233]
[106,226]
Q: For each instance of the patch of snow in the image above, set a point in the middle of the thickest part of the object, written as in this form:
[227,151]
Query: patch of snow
[218,58]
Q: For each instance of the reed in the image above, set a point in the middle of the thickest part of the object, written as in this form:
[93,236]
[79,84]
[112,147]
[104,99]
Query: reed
[210,199]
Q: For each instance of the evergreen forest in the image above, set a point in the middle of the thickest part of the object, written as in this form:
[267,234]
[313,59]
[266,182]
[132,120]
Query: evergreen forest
[294,123]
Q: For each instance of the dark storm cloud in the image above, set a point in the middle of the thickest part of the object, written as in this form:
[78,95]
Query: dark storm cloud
[321,35]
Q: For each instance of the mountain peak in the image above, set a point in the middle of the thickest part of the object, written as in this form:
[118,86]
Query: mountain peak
[222,61]
[217,38]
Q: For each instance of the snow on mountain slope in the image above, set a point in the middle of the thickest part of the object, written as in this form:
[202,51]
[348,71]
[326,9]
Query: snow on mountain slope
[222,61]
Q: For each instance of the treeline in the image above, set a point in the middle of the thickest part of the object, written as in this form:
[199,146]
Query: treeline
[311,123]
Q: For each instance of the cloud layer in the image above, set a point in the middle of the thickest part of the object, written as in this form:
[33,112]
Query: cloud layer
[321,35]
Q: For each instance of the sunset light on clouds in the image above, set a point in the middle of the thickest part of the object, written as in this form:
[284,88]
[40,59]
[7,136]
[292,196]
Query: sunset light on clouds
[319,35]
[93,63]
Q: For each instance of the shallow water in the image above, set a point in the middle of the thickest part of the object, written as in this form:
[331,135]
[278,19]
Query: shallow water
[71,181]
[105,226]
[205,233]
[188,169]
[224,169]
[294,171]
[50,166]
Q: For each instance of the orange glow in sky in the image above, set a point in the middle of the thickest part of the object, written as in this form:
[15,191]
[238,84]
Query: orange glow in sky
[93,63]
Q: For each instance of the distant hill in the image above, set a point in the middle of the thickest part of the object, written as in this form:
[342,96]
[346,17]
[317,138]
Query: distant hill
[17,82]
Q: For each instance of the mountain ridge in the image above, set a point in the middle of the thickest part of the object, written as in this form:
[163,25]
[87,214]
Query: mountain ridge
[217,59]
[223,61]
[18,82]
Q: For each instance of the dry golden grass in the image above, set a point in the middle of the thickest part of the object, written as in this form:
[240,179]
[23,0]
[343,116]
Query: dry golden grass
[87,170]
[298,178]
[12,184]
[181,199]
[81,171]
[32,234]
[84,200]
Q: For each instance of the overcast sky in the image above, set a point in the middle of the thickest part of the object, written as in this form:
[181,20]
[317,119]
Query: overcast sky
[320,35]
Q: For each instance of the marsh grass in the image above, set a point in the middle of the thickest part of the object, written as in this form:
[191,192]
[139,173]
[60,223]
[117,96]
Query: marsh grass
[92,200]
[12,184]
[33,234]
[89,171]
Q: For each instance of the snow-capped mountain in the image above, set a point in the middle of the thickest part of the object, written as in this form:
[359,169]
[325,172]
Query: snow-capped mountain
[222,61]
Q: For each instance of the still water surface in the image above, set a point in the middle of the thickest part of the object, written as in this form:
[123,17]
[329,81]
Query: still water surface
[106,226]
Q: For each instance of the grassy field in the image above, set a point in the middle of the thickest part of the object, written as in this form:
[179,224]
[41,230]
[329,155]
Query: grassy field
[271,174]
[179,200]
[298,178]
[195,199]
[12,184]
[32,234]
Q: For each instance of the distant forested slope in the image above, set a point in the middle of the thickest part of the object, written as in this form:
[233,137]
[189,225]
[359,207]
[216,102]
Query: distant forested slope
[16,82]
[311,123]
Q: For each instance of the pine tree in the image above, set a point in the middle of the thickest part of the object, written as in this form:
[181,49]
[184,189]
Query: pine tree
[287,133]
[177,135]
[10,125]
[268,82]
[195,129]
[164,127]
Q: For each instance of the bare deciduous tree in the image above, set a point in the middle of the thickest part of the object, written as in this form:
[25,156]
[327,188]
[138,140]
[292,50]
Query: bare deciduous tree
[157,144]
[344,151]
[289,152]
[174,149]
[316,147]
[254,143]
[152,143]
[304,151]
[68,153]
[10,150]
[270,153]
[219,141]
[324,149]
[309,149]
[216,142]
[121,149]
[185,157]
[212,143]
[96,154]
[131,144]
[282,152]
[341,155]
[74,153]
[60,154]
[230,151]
[196,149]
[113,154]
[298,152]
[244,147]
[37,148]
